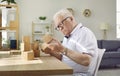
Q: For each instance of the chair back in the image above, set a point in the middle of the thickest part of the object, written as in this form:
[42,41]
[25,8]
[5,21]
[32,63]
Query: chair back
[100,55]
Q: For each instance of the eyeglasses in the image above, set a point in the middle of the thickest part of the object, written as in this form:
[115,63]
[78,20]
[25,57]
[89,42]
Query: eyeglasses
[60,27]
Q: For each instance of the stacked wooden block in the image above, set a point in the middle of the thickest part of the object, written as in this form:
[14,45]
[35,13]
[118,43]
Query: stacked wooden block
[27,53]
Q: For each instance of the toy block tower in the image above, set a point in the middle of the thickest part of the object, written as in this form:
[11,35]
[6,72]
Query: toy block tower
[27,44]
[27,53]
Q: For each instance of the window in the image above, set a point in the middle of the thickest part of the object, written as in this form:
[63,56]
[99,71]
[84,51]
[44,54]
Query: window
[118,18]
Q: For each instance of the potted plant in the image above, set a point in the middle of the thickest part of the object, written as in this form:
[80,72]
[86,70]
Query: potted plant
[9,1]
[42,17]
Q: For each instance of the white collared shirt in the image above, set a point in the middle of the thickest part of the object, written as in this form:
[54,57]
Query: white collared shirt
[81,40]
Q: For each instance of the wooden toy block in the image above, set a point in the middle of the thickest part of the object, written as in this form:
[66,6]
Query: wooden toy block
[26,38]
[47,38]
[24,46]
[28,55]
[27,46]
[44,46]
[26,43]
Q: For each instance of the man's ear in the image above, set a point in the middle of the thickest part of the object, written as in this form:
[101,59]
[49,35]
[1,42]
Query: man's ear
[71,18]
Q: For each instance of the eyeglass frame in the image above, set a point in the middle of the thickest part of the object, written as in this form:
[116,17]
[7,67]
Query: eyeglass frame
[58,27]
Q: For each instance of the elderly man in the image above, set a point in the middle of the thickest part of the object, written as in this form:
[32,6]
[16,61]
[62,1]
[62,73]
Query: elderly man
[79,46]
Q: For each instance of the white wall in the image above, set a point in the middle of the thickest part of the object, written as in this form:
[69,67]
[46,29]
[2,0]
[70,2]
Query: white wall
[102,11]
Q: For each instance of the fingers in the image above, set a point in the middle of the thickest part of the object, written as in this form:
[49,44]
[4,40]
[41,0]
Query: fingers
[55,47]
[52,46]
[47,50]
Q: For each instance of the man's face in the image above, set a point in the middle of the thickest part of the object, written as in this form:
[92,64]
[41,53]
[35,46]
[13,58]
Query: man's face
[64,25]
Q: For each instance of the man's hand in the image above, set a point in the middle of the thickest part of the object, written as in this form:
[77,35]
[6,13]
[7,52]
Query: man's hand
[53,46]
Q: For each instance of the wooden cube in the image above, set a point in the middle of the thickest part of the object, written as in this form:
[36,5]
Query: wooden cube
[44,46]
[47,38]
[27,44]
[28,55]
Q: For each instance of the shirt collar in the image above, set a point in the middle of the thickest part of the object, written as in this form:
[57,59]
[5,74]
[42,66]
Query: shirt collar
[77,27]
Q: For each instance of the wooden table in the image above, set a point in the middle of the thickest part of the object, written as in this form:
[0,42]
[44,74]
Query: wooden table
[42,66]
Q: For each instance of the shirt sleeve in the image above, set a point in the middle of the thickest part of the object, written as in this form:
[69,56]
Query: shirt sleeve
[87,42]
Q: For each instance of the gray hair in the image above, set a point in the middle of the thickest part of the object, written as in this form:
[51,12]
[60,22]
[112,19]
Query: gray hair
[62,13]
